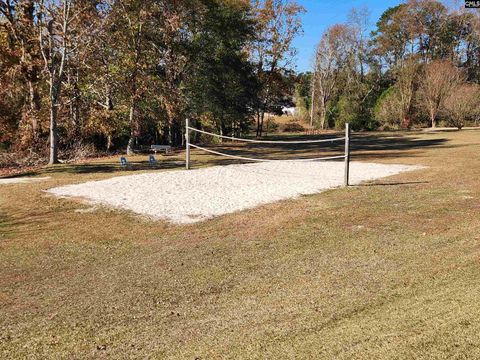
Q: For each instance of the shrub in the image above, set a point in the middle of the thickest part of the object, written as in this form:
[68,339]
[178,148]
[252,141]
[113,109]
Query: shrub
[78,151]
[387,109]
[272,125]
[293,126]
[462,104]
[21,159]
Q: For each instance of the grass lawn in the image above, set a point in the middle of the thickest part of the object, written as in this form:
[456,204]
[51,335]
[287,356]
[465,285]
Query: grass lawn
[388,270]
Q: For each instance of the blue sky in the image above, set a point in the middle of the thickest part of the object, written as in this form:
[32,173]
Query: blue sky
[323,13]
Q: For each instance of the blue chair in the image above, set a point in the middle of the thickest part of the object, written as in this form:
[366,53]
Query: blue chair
[123,162]
[152,160]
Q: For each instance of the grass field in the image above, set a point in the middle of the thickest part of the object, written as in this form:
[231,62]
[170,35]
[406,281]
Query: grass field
[388,270]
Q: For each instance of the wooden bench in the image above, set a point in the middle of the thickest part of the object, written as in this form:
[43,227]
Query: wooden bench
[166,148]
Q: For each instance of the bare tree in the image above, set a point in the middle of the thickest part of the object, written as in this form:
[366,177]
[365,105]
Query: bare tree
[462,104]
[331,56]
[278,23]
[359,24]
[438,81]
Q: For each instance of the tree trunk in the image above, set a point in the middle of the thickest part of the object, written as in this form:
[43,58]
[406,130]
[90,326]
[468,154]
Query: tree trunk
[322,119]
[75,115]
[220,130]
[312,105]
[75,112]
[131,142]
[133,127]
[258,124]
[53,135]
[109,142]
[54,92]
[34,107]
[262,118]
[323,114]
[433,120]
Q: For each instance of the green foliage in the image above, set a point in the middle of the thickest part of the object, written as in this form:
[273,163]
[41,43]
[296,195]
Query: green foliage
[136,69]
[347,112]
[272,125]
[303,98]
[222,82]
[386,109]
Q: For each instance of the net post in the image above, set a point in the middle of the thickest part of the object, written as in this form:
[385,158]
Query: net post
[347,154]
[187,144]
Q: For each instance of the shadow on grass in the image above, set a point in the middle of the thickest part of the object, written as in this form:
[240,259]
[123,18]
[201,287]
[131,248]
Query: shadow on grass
[363,146]
[394,183]
[28,225]
[92,168]
[22,174]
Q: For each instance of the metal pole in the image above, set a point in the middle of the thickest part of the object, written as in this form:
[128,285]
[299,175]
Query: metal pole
[187,143]
[347,154]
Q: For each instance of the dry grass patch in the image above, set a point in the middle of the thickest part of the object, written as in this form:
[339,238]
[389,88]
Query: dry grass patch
[382,271]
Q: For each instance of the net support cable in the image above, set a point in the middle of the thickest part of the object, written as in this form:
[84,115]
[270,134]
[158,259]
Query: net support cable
[267,141]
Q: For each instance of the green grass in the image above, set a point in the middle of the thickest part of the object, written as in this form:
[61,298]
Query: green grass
[389,270]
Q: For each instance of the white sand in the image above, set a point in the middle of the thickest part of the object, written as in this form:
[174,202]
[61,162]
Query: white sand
[22,180]
[183,196]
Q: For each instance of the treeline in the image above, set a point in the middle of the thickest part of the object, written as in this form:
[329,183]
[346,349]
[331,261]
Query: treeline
[110,74]
[420,65]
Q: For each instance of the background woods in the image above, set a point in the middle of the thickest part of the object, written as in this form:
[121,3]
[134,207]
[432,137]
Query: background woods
[83,74]
[78,76]
[402,73]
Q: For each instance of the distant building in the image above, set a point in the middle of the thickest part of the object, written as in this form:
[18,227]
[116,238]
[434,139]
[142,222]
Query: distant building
[289,111]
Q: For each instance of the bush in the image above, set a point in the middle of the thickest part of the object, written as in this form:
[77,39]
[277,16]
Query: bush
[387,110]
[79,151]
[462,105]
[272,126]
[293,126]
[349,109]
[21,159]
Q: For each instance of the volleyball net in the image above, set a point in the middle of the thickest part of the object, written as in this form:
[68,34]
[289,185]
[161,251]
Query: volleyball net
[345,155]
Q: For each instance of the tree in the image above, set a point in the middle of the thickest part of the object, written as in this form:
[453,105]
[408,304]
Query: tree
[303,99]
[19,24]
[103,80]
[462,104]
[277,24]
[360,79]
[394,106]
[358,24]
[438,80]
[466,26]
[221,81]
[130,27]
[429,28]
[406,84]
[175,23]
[53,21]
[331,56]
[391,38]
[388,109]
[418,27]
